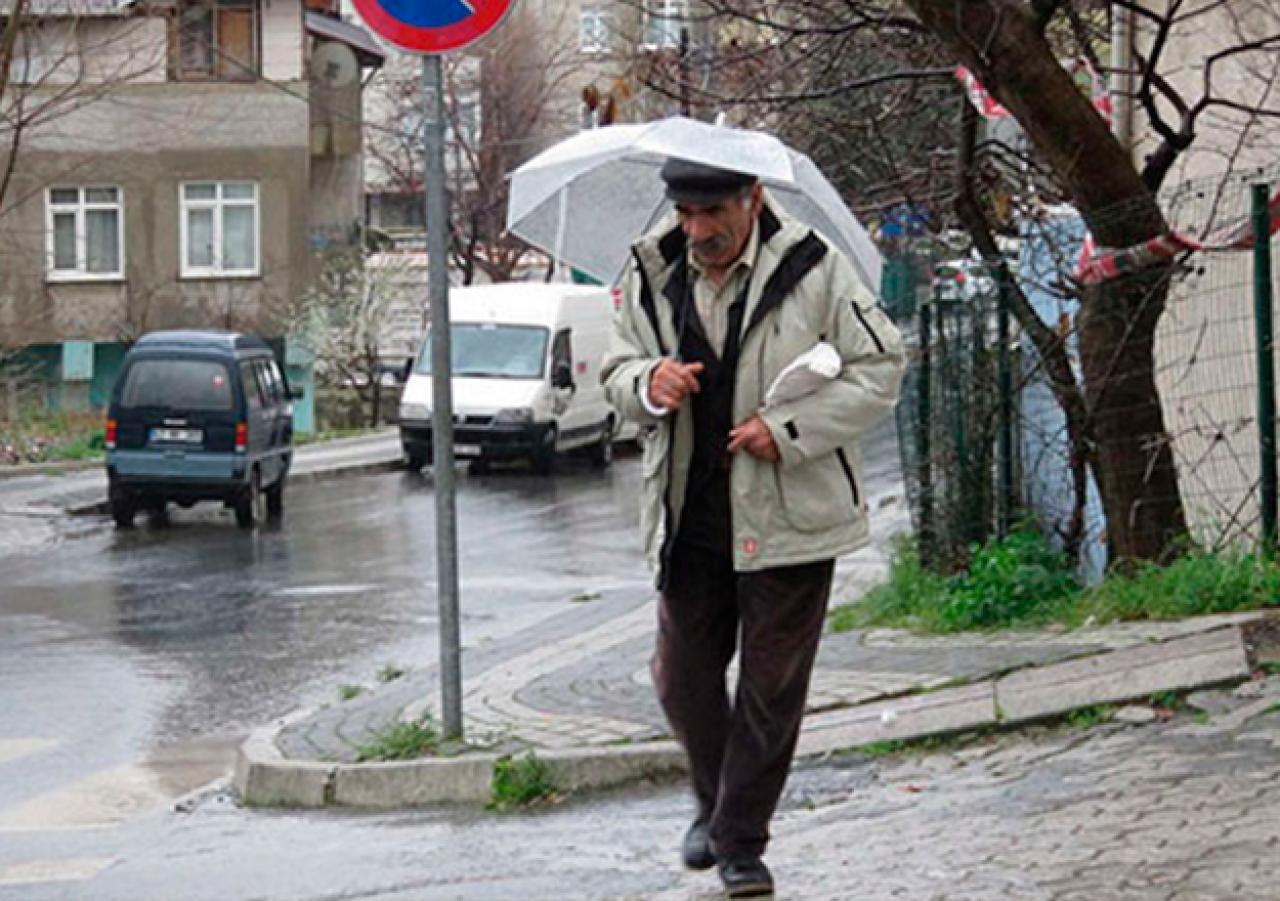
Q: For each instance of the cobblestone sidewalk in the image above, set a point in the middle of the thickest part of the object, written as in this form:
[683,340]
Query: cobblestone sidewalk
[1177,811]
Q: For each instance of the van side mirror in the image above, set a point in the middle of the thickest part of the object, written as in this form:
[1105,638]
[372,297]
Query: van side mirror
[562,376]
[406,370]
[296,393]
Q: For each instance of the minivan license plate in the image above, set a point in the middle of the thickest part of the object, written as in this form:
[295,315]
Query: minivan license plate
[176,436]
[466,450]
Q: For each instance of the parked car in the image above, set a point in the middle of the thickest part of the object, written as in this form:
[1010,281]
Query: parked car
[199,416]
[525,376]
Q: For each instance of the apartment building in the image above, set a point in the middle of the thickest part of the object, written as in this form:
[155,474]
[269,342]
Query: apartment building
[177,163]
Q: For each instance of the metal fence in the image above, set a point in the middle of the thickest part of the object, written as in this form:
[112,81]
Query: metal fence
[983,437]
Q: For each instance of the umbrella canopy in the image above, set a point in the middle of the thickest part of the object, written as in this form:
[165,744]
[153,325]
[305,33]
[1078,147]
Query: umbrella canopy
[586,199]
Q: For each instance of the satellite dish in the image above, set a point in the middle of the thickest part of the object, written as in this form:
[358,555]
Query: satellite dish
[334,65]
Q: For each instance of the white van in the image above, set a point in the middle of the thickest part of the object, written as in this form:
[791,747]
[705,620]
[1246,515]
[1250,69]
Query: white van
[526,376]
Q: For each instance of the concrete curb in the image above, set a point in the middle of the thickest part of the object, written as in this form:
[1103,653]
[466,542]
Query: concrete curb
[101,507]
[264,777]
[51,468]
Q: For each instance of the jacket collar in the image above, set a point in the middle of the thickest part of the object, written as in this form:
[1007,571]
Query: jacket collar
[663,253]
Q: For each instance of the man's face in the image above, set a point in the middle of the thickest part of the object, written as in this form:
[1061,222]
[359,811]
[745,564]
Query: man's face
[717,232]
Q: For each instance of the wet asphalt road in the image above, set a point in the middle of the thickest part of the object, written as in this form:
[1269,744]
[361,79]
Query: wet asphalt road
[132,664]
[148,654]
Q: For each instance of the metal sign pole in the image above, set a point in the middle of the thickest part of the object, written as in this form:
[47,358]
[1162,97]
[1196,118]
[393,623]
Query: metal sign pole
[442,396]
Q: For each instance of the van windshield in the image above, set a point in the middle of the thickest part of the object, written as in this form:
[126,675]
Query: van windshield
[202,385]
[489,351]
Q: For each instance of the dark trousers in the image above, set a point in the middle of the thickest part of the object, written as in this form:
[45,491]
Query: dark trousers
[739,753]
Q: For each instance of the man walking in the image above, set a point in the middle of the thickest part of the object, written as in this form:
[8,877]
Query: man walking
[745,505]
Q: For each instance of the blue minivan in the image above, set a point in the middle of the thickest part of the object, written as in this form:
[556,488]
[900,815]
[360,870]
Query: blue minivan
[199,416]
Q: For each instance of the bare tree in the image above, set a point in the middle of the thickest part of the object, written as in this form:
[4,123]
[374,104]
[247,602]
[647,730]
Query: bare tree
[505,100]
[864,84]
[56,57]
[345,318]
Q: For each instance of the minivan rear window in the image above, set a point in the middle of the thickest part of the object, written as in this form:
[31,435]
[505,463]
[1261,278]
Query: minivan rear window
[202,385]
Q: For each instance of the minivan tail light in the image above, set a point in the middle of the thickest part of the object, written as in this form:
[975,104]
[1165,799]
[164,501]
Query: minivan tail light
[110,437]
[242,437]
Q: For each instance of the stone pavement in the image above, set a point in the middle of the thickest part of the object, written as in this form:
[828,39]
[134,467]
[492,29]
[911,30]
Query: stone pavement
[1169,811]
[578,683]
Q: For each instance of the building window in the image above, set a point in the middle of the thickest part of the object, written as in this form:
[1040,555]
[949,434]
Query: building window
[663,20]
[593,34]
[219,229]
[85,233]
[216,40]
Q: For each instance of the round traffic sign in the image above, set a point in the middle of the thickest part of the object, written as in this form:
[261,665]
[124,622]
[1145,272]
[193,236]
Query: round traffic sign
[432,26]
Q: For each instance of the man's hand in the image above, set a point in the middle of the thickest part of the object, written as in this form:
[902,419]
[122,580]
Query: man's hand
[754,437]
[673,381]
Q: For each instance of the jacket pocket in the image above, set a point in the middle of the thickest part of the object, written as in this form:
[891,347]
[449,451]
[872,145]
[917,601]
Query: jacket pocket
[653,488]
[818,494]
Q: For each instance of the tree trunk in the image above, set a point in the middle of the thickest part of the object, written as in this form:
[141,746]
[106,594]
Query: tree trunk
[1001,43]
[375,417]
[1137,478]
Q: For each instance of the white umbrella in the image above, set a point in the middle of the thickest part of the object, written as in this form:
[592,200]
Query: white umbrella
[586,199]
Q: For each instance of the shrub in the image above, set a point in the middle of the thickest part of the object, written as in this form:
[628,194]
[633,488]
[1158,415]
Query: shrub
[1020,579]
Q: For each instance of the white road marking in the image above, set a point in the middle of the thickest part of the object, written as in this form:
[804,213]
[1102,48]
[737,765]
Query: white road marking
[102,799]
[13,748]
[74,869]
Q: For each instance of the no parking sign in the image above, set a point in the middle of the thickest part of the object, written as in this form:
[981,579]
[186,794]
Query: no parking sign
[432,26]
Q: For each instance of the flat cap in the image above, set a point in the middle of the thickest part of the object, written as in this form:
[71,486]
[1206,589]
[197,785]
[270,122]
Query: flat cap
[690,182]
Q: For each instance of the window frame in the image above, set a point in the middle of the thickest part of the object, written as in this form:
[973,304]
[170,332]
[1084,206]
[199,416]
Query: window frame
[80,209]
[218,205]
[663,15]
[599,31]
[219,68]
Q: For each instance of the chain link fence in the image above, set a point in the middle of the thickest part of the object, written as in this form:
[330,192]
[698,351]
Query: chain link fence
[984,436]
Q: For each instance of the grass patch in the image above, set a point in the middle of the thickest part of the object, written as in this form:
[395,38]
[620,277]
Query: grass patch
[1196,583]
[1088,717]
[882,748]
[348,692]
[927,745]
[402,741]
[1022,581]
[585,597]
[332,435]
[46,437]
[519,782]
[390,673]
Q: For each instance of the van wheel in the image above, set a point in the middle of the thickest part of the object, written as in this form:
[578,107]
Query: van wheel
[251,503]
[415,459]
[122,511]
[602,451]
[275,499]
[544,456]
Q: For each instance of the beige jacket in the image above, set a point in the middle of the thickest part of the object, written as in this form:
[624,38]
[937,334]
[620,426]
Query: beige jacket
[808,506]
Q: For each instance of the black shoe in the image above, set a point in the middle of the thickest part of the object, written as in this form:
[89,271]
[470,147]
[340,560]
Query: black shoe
[696,848]
[745,876]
